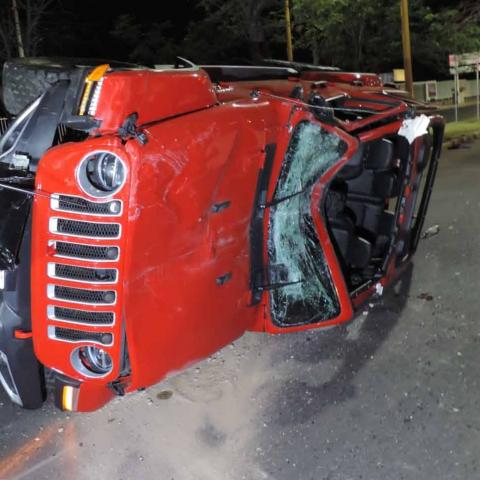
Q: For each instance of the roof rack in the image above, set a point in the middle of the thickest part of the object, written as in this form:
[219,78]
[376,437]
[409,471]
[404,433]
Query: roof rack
[228,73]
[301,67]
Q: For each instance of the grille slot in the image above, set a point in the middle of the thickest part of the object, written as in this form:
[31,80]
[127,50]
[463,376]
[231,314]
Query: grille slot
[77,204]
[81,316]
[87,252]
[85,229]
[78,295]
[71,335]
[82,274]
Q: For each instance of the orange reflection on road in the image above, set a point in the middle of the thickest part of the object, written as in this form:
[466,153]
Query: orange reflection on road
[19,459]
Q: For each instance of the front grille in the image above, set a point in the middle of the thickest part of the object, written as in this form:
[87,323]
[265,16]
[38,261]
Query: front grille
[81,205]
[83,274]
[81,316]
[101,297]
[70,335]
[87,252]
[86,229]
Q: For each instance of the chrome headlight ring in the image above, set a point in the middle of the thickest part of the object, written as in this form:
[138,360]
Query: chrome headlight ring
[101,174]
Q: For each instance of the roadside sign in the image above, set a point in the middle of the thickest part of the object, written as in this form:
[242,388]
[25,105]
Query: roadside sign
[398,75]
[464,63]
[463,69]
[452,61]
[464,59]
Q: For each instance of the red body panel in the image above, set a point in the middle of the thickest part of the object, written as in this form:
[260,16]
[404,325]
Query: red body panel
[176,311]
[154,95]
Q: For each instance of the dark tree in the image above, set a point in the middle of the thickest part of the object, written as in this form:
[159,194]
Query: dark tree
[32,13]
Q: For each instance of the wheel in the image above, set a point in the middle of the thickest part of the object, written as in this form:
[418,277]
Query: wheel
[25,79]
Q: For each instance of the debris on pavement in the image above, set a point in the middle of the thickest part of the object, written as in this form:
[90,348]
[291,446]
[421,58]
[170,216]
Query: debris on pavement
[431,232]
[164,395]
[425,296]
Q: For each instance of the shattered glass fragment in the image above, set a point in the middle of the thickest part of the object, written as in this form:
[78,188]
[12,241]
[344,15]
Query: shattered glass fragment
[304,292]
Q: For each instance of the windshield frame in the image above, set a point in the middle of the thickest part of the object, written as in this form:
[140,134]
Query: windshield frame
[317,194]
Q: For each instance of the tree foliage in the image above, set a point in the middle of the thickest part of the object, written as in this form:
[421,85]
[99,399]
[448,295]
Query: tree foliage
[352,34]
[225,31]
[249,22]
[145,43]
[366,35]
[335,31]
[32,13]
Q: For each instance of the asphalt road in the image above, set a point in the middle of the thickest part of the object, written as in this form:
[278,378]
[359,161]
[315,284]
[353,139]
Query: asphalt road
[394,395]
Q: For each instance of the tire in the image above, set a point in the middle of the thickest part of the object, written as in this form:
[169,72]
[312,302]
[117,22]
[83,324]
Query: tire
[49,382]
[25,79]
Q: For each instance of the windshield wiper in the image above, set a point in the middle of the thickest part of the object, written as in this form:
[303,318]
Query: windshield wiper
[276,286]
[278,201]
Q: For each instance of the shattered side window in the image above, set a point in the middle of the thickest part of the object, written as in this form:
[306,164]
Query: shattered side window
[302,291]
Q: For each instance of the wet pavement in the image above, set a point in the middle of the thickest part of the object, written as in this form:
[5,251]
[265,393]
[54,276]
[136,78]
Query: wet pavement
[393,395]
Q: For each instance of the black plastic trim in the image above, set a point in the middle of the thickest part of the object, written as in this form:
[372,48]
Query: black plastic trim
[15,302]
[438,131]
[257,268]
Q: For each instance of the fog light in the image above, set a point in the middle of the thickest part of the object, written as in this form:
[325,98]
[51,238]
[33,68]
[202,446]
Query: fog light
[95,360]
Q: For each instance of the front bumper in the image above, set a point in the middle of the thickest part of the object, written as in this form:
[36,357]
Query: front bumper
[74,396]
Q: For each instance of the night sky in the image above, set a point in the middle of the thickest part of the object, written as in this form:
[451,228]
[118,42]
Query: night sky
[83,28]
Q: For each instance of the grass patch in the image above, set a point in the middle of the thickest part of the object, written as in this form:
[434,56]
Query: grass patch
[456,129]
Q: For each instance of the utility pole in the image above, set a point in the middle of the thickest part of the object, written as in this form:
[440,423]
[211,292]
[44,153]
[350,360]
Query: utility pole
[288,26]
[18,31]
[407,47]
[477,71]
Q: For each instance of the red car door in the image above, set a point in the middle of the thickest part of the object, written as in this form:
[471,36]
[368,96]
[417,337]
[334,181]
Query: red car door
[304,287]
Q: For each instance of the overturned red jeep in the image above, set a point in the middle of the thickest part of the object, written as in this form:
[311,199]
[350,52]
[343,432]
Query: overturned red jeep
[150,217]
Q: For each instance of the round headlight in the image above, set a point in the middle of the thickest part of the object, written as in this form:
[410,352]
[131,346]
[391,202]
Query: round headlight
[95,360]
[101,174]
